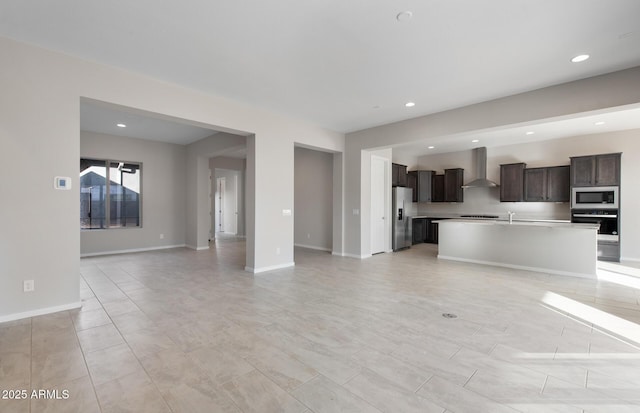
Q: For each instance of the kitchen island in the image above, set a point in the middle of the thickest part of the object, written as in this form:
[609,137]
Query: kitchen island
[561,248]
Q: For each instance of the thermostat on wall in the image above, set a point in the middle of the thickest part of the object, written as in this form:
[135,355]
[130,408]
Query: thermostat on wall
[62,182]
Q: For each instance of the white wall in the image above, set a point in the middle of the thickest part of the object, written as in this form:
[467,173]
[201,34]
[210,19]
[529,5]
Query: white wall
[40,137]
[597,94]
[313,203]
[163,193]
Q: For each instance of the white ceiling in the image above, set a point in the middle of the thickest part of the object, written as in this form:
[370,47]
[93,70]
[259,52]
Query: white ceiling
[628,118]
[345,65]
[102,118]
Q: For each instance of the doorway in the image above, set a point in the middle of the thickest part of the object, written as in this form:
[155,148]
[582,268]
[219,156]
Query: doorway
[313,200]
[227,197]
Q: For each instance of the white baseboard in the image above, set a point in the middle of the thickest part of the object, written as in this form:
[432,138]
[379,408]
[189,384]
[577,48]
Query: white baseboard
[312,247]
[40,311]
[270,268]
[193,247]
[164,247]
[518,267]
[360,257]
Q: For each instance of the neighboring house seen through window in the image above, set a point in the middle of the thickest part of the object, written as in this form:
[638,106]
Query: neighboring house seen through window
[110,194]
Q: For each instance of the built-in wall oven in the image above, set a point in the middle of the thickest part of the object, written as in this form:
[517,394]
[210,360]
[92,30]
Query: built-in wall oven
[606,218]
[608,233]
[594,197]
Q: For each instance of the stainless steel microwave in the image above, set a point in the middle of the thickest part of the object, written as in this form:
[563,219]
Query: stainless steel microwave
[599,197]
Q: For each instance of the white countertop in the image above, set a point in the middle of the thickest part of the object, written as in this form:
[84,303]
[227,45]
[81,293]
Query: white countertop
[523,223]
[457,216]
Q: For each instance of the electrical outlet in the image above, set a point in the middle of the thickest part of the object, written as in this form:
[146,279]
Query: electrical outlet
[308,236]
[278,251]
[29,286]
[161,236]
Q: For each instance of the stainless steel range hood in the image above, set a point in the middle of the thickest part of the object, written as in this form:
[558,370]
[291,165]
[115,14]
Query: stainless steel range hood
[480,154]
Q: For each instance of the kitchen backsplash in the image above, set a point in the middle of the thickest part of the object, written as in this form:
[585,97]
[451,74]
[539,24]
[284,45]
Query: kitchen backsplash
[487,201]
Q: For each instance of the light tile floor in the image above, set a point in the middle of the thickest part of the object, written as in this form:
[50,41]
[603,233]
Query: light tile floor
[184,331]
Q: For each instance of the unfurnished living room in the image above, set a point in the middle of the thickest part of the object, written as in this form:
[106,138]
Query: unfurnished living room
[426,206]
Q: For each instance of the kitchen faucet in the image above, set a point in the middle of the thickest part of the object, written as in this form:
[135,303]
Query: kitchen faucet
[511,214]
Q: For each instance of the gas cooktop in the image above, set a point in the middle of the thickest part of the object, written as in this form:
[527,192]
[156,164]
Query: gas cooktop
[480,216]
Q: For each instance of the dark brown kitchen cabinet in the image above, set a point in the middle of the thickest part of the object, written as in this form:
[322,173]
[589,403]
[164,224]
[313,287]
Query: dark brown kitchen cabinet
[535,184]
[398,175]
[549,184]
[558,184]
[512,182]
[432,230]
[596,170]
[437,188]
[412,182]
[453,179]
[419,228]
[608,169]
[421,182]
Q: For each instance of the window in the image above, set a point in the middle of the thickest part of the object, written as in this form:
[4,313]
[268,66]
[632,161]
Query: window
[109,194]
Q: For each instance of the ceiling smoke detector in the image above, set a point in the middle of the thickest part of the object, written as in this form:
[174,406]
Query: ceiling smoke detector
[404,16]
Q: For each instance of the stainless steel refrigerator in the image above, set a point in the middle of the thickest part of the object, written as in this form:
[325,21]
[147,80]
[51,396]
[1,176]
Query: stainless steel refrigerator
[403,210]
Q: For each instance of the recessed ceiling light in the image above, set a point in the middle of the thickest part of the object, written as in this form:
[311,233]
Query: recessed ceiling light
[410,104]
[121,125]
[404,16]
[530,132]
[580,58]
[599,123]
[430,147]
[475,140]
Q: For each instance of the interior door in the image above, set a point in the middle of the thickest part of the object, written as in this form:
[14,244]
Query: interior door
[231,205]
[378,204]
[220,189]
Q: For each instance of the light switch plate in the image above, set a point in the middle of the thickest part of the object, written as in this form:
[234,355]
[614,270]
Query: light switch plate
[286,212]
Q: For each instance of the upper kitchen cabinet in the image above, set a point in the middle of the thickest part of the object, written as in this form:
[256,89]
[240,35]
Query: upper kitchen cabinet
[421,182]
[535,184]
[398,175]
[549,184]
[453,179]
[511,182]
[558,184]
[437,188]
[412,182]
[596,170]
